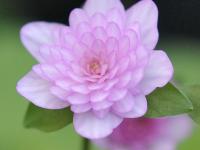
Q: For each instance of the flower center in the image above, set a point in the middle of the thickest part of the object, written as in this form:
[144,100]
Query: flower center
[94,67]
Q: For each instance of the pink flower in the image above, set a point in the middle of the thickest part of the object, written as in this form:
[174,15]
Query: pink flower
[148,134]
[102,65]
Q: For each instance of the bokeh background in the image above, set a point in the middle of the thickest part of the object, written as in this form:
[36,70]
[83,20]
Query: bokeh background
[179,26]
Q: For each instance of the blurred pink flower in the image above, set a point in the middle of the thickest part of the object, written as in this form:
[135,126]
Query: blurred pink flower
[148,134]
[102,65]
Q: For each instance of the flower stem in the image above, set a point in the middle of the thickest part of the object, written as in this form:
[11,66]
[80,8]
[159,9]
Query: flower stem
[86,144]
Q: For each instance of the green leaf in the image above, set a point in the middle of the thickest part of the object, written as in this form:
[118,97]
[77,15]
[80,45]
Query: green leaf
[193,92]
[47,120]
[167,101]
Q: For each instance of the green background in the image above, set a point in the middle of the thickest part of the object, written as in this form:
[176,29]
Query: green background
[15,61]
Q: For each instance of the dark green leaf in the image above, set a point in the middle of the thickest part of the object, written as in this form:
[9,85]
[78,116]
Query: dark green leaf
[193,92]
[47,120]
[167,101]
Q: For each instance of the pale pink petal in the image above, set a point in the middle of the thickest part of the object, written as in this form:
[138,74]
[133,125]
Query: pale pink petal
[95,86]
[113,72]
[59,92]
[124,46]
[81,108]
[68,38]
[50,54]
[117,16]
[145,13]
[98,96]
[124,105]
[36,34]
[98,46]
[123,63]
[65,84]
[117,94]
[142,56]
[55,53]
[125,79]
[136,77]
[74,77]
[47,71]
[80,88]
[100,33]
[133,38]
[101,105]
[83,28]
[77,99]
[112,44]
[158,72]
[77,16]
[101,113]
[61,67]
[101,6]
[37,90]
[113,30]
[79,49]
[98,20]
[110,84]
[87,39]
[92,127]
[139,108]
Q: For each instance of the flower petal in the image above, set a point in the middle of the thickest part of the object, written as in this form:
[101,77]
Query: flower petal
[117,16]
[124,105]
[98,96]
[139,108]
[80,88]
[98,20]
[100,33]
[37,90]
[101,6]
[92,127]
[81,108]
[59,92]
[50,54]
[77,16]
[82,28]
[101,105]
[77,99]
[124,80]
[113,30]
[158,72]
[34,35]
[87,39]
[47,71]
[101,113]
[142,56]
[117,94]
[145,13]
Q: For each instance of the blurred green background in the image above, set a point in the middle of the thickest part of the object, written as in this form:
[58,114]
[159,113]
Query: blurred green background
[15,61]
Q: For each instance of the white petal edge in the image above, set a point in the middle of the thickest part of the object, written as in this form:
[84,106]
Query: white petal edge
[37,91]
[35,34]
[101,6]
[76,17]
[158,72]
[139,109]
[145,12]
[92,127]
